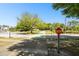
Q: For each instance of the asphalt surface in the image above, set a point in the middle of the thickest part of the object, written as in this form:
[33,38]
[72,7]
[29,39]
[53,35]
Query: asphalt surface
[12,34]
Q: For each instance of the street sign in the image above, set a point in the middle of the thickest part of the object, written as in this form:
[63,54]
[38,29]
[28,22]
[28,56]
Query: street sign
[58,31]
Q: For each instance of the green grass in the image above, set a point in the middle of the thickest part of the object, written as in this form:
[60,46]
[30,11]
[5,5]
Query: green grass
[8,41]
[72,46]
[11,38]
[35,31]
[49,32]
[73,50]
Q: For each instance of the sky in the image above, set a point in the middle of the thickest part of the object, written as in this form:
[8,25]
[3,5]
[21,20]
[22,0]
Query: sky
[10,12]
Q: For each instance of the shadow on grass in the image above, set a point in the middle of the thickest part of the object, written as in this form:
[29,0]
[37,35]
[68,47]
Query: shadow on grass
[37,46]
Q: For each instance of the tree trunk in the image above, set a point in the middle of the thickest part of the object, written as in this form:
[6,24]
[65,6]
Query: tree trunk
[31,31]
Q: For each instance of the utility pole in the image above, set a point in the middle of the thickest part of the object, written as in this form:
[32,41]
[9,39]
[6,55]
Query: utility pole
[65,25]
[58,48]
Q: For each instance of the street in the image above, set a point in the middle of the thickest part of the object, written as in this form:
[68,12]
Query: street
[15,35]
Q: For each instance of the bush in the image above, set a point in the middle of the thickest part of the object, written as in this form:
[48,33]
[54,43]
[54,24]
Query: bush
[73,32]
[49,32]
[36,31]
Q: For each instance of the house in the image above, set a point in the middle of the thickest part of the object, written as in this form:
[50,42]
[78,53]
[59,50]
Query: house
[4,28]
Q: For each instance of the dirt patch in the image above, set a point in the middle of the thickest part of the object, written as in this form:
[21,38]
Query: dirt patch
[4,43]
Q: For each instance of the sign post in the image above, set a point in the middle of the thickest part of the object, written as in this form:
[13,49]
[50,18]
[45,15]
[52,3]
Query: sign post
[9,32]
[58,31]
[58,48]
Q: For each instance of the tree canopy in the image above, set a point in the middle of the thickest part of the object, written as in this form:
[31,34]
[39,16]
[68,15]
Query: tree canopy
[27,22]
[67,9]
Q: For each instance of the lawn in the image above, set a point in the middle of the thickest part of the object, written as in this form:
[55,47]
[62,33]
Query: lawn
[70,45]
[8,41]
[12,38]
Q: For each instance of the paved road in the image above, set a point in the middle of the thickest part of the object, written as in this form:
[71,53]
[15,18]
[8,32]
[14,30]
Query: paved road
[6,34]
[15,35]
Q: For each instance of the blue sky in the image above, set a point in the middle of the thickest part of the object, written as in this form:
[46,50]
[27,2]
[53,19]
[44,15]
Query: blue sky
[10,12]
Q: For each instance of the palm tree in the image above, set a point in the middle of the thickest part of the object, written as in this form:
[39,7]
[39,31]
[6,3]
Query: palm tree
[67,9]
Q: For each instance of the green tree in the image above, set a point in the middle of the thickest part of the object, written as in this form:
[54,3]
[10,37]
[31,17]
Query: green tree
[50,26]
[77,28]
[24,23]
[67,9]
[55,25]
[12,29]
[73,24]
[27,22]
[42,26]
